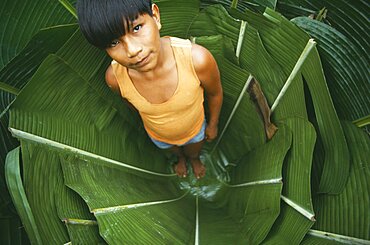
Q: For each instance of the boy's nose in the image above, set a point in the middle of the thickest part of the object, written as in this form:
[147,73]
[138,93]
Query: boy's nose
[133,48]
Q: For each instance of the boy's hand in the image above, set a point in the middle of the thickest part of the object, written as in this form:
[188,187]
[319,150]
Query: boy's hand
[211,132]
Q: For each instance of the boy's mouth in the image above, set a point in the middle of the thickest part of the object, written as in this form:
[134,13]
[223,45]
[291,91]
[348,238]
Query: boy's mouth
[143,61]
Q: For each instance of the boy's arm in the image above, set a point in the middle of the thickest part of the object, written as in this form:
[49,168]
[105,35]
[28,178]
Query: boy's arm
[209,75]
[112,83]
[111,80]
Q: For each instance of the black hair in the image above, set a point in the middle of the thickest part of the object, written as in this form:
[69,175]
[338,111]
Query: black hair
[102,21]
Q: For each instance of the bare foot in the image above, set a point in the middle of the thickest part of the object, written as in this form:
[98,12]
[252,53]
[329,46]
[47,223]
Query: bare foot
[180,168]
[271,130]
[198,168]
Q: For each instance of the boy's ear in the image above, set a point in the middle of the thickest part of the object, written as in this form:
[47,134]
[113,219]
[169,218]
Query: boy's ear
[156,15]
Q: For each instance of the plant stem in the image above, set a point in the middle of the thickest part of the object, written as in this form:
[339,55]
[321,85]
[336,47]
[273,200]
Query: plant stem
[234,4]
[310,45]
[80,222]
[135,205]
[336,237]
[10,89]
[258,182]
[307,213]
[80,153]
[69,7]
[362,122]
[197,221]
[241,38]
[241,96]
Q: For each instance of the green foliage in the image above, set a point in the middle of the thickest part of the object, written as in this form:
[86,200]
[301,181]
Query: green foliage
[90,175]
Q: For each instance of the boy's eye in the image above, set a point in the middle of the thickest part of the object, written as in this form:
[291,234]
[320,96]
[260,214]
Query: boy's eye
[114,43]
[137,28]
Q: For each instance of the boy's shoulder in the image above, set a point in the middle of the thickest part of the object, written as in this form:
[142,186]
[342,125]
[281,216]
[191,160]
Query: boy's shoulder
[201,56]
[179,42]
[111,79]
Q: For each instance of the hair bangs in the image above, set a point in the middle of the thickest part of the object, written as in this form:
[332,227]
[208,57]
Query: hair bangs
[102,21]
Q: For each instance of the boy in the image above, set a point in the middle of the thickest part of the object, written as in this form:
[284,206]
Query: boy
[163,78]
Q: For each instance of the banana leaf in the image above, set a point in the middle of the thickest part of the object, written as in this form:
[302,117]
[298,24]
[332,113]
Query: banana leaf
[17,29]
[276,33]
[348,17]
[14,181]
[347,86]
[297,207]
[351,208]
[99,149]
[255,5]
[10,223]
[54,195]
[343,36]
[18,65]
[345,217]
[296,175]
[17,72]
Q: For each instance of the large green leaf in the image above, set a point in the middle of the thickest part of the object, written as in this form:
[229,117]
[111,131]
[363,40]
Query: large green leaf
[21,20]
[343,37]
[15,185]
[348,17]
[297,207]
[348,213]
[52,108]
[257,5]
[128,184]
[18,71]
[244,210]
[348,86]
[52,202]
[277,33]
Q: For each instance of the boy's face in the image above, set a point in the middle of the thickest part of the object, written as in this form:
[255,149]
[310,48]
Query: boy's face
[139,48]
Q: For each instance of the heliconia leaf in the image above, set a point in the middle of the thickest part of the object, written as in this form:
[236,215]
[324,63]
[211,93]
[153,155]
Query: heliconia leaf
[79,134]
[15,185]
[347,21]
[256,5]
[315,237]
[297,206]
[17,29]
[251,201]
[271,76]
[84,232]
[348,86]
[348,213]
[20,69]
[277,33]
[78,137]
[7,142]
[348,17]
[336,162]
[81,224]
[48,40]
[336,157]
[42,181]
[289,219]
[57,204]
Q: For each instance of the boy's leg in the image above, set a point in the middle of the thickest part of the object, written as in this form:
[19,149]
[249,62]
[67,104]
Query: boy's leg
[180,167]
[259,98]
[192,152]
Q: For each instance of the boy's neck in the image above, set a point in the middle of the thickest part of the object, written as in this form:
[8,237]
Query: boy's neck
[161,65]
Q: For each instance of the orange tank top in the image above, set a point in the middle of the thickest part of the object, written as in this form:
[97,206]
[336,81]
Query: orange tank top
[178,119]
